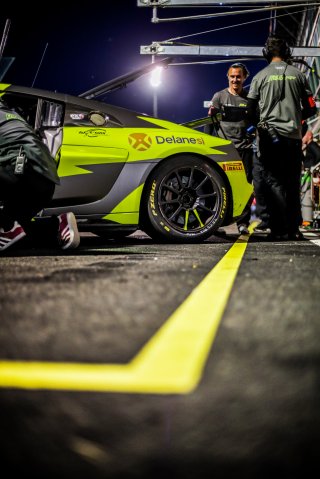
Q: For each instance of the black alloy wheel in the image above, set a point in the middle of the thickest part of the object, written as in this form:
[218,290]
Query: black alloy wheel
[185,200]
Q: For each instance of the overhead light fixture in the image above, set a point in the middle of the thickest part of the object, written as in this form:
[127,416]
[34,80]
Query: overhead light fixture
[155,79]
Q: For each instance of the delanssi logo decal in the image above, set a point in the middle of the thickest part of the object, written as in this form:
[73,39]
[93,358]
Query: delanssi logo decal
[179,139]
[140,141]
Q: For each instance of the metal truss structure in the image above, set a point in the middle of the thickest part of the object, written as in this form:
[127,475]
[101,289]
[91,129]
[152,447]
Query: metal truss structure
[290,25]
[214,51]
[206,3]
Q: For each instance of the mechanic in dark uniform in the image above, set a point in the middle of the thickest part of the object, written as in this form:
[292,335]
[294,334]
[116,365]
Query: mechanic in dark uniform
[284,98]
[28,176]
[230,106]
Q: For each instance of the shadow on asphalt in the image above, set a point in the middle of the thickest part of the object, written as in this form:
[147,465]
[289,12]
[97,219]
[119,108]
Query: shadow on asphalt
[90,243]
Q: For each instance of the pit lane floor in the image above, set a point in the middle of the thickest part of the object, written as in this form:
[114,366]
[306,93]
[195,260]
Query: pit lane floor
[227,336]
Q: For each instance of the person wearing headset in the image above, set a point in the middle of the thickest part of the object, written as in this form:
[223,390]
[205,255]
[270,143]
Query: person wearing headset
[230,106]
[284,99]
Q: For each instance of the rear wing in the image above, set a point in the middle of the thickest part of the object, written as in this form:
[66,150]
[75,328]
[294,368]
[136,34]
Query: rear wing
[123,80]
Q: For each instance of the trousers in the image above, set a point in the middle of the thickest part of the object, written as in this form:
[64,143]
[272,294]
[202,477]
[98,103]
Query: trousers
[22,196]
[280,169]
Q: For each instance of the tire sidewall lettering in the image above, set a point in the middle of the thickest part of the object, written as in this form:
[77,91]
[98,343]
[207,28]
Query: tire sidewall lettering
[152,198]
[224,202]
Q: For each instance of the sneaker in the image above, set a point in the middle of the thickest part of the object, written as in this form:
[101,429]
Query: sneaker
[8,238]
[262,228]
[243,229]
[68,234]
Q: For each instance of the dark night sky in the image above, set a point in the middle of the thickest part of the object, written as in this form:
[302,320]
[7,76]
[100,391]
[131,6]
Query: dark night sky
[92,42]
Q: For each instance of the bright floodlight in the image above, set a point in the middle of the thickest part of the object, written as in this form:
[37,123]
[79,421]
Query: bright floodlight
[155,79]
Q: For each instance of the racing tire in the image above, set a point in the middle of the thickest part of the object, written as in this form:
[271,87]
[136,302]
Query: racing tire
[185,200]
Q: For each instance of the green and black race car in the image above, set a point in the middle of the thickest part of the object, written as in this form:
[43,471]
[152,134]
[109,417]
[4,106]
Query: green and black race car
[122,171]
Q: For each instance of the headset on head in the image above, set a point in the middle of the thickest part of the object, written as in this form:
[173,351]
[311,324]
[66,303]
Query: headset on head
[242,66]
[275,46]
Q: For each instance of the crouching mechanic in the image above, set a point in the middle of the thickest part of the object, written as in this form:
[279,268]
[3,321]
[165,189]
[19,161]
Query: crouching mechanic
[28,176]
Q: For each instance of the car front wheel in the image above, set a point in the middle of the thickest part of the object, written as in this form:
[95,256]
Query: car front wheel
[185,200]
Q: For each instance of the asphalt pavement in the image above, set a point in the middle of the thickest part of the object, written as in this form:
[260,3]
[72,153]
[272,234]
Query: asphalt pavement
[139,360]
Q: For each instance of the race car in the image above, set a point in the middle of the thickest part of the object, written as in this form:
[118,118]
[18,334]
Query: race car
[123,171]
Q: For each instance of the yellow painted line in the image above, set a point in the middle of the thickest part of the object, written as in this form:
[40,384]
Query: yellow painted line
[171,362]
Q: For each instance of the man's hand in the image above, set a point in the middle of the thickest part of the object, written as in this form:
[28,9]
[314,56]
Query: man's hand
[211,111]
[306,139]
[215,114]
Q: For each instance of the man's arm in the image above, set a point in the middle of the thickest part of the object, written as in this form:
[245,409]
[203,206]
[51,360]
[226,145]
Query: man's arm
[309,107]
[215,106]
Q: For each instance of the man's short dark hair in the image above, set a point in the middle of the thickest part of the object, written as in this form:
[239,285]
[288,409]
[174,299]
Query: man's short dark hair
[276,47]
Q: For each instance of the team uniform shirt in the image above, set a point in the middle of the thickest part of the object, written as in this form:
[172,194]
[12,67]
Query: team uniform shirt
[234,131]
[280,79]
